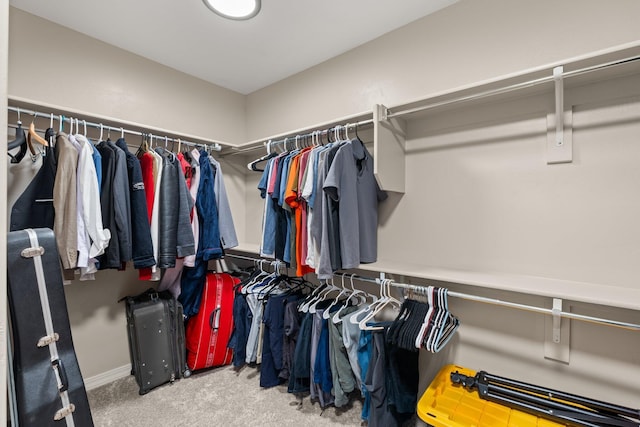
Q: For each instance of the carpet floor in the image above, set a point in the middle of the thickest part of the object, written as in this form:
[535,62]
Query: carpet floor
[217,397]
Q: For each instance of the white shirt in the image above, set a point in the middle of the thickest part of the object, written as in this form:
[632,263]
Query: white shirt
[155,221]
[190,260]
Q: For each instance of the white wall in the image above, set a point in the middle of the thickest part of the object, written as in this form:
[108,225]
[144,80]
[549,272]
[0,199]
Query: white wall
[54,65]
[57,66]
[4,44]
[479,195]
[470,41]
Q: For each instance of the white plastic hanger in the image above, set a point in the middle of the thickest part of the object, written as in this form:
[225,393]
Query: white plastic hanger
[385,301]
[325,314]
[369,308]
[427,317]
[353,293]
[322,296]
[101,132]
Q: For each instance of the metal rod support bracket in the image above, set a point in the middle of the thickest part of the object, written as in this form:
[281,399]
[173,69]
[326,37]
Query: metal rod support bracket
[559,85]
[557,319]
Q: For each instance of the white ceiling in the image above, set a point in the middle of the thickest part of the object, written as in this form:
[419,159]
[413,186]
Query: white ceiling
[287,36]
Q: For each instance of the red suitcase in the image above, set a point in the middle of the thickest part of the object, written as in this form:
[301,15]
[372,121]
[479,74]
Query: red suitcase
[207,333]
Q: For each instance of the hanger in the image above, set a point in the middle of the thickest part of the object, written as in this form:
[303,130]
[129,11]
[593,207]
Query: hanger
[253,166]
[332,287]
[385,300]
[33,135]
[325,314]
[20,141]
[427,318]
[256,280]
[353,293]
[304,305]
[101,132]
[144,145]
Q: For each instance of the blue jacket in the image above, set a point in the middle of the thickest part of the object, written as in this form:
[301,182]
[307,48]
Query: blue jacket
[140,230]
[209,246]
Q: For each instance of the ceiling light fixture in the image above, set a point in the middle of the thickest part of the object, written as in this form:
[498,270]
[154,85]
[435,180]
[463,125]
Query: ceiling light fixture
[234,9]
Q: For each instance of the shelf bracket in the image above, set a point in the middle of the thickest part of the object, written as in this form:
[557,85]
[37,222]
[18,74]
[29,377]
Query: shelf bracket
[556,310]
[559,125]
[388,150]
[556,345]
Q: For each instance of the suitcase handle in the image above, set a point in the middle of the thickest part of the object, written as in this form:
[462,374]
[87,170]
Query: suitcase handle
[61,373]
[214,319]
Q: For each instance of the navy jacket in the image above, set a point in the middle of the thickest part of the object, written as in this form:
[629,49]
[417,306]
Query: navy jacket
[209,246]
[111,256]
[142,252]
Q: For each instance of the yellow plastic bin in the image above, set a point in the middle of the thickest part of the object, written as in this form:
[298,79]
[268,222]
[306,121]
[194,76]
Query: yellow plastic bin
[446,405]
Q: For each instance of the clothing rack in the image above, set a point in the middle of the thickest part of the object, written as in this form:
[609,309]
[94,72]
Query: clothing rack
[399,112]
[215,146]
[477,298]
[283,139]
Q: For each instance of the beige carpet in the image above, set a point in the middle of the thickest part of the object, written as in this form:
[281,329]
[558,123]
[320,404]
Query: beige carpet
[218,397]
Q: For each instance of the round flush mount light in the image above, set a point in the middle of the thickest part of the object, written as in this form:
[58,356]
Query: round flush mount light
[234,9]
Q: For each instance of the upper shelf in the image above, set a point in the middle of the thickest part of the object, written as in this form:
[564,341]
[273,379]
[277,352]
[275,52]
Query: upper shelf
[592,293]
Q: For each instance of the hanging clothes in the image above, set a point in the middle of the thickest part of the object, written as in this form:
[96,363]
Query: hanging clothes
[142,246]
[226,227]
[65,202]
[155,217]
[209,246]
[190,260]
[146,167]
[174,232]
[111,256]
[34,208]
[92,212]
[122,205]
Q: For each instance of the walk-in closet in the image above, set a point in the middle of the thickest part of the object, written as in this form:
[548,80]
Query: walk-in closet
[414,213]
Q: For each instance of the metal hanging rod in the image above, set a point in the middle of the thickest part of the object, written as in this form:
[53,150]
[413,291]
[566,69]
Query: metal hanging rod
[66,119]
[392,112]
[493,301]
[292,137]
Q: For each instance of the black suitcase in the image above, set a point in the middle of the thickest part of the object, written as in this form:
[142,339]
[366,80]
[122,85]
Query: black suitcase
[155,327]
[48,384]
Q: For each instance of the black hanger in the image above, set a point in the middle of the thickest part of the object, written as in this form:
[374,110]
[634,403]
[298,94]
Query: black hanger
[20,141]
[187,156]
[270,154]
[21,137]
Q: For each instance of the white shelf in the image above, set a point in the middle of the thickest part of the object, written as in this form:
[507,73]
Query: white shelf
[248,248]
[592,293]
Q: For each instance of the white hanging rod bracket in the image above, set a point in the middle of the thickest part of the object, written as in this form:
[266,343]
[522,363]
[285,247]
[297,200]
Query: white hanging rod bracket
[559,86]
[560,124]
[556,314]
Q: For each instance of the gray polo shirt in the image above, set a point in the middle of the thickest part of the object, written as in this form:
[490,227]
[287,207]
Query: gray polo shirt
[351,182]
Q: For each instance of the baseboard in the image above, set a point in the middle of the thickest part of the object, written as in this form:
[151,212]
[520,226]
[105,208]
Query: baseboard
[107,377]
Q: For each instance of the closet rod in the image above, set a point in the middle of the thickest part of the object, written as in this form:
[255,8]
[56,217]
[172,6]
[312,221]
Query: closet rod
[391,112]
[292,136]
[493,301]
[65,118]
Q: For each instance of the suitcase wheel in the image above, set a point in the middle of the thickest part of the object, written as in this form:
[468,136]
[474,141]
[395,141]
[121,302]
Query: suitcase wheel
[186,373]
